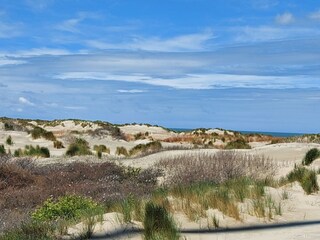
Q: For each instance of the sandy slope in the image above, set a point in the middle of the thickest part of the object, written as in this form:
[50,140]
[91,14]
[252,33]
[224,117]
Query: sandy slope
[298,208]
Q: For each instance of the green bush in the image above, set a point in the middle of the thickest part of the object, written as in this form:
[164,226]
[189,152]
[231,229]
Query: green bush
[158,224]
[238,144]
[79,147]
[306,177]
[122,151]
[9,140]
[310,156]
[68,208]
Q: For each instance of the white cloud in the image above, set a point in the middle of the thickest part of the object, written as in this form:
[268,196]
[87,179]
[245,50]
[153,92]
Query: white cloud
[72,25]
[38,4]
[42,51]
[25,101]
[131,91]
[9,30]
[285,18]
[264,4]
[200,81]
[188,42]
[7,61]
[315,15]
[69,25]
[267,33]
[75,107]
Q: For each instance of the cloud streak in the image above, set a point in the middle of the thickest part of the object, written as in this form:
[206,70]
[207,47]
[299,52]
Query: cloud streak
[201,81]
[25,101]
[182,43]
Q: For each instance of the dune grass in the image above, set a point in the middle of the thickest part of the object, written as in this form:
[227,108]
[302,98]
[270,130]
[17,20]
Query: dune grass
[122,151]
[306,177]
[78,147]
[32,151]
[158,224]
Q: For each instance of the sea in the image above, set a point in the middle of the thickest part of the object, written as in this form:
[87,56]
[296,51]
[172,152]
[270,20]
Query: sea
[274,134]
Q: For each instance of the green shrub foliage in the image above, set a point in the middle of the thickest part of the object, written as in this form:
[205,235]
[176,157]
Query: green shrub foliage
[310,156]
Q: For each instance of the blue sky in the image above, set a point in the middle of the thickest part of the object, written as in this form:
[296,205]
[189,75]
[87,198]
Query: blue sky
[235,64]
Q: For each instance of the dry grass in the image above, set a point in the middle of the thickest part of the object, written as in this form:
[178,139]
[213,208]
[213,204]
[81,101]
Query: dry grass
[216,168]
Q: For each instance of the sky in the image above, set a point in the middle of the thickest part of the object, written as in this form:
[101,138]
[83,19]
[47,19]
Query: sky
[235,64]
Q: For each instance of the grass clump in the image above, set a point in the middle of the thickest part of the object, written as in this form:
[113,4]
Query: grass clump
[238,144]
[30,231]
[306,177]
[58,144]
[101,149]
[38,132]
[2,149]
[9,140]
[32,151]
[142,149]
[310,156]
[158,224]
[122,151]
[78,147]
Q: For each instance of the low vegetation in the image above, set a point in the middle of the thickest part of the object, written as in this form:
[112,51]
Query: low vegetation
[122,151]
[9,140]
[158,224]
[67,210]
[143,149]
[307,178]
[58,144]
[310,156]
[217,168]
[101,149]
[38,132]
[60,195]
[238,144]
[24,186]
[32,151]
[2,149]
[78,147]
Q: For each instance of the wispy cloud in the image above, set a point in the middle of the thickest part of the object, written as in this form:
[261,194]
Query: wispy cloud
[75,107]
[9,30]
[7,61]
[38,4]
[131,91]
[201,81]
[72,25]
[188,42]
[25,101]
[269,33]
[41,52]
[315,15]
[264,4]
[285,18]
